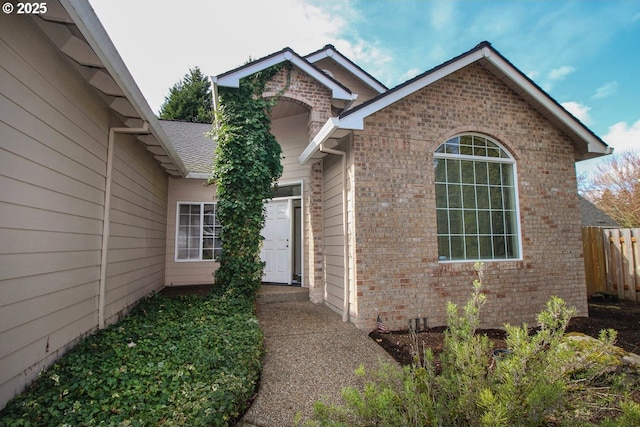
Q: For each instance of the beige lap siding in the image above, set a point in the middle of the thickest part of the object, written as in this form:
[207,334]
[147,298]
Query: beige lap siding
[54,131]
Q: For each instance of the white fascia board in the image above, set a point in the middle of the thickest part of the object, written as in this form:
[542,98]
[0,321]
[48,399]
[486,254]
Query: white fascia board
[355,121]
[594,145]
[198,175]
[233,79]
[336,56]
[85,19]
[323,135]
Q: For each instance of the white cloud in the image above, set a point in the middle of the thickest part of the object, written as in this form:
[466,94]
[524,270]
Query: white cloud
[411,73]
[560,73]
[555,75]
[606,89]
[442,14]
[623,137]
[580,111]
[160,40]
[362,52]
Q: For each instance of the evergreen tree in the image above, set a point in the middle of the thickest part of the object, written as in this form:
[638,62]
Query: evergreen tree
[189,100]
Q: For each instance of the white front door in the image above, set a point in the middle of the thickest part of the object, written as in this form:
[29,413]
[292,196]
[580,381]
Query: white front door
[276,248]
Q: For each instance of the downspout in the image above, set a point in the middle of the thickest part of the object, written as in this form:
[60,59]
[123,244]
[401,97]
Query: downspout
[106,214]
[345,228]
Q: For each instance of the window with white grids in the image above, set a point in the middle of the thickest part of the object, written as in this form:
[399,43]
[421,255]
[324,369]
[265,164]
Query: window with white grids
[198,232]
[476,200]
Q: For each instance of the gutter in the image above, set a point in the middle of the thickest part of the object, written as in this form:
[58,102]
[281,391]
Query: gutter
[321,137]
[345,229]
[106,215]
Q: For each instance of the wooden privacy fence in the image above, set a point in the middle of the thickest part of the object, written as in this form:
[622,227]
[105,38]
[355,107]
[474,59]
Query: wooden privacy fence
[612,261]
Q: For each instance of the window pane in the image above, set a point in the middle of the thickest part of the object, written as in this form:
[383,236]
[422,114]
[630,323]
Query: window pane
[484,222]
[483,197]
[470,222]
[453,171]
[467,169]
[455,196]
[493,152]
[443,221]
[499,250]
[496,197]
[441,196]
[495,173]
[486,247]
[508,198]
[441,170]
[457,247]
[507,175]
[455,221]
[512,244]
[510,222]
[443,247]
[481,173]
[471,244]
[497,222]
[469,196]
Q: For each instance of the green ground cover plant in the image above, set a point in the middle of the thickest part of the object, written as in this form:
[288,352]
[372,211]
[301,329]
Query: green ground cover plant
[171,362]
[539,380]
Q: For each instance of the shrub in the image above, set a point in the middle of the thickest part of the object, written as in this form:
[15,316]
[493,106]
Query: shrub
[171,362]
[539,381]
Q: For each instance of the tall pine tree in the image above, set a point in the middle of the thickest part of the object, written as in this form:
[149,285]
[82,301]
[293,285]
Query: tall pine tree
[189,100]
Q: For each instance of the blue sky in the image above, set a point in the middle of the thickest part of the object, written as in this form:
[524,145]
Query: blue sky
[585,54]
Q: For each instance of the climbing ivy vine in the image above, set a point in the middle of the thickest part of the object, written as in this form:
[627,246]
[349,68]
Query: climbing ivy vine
[246,168]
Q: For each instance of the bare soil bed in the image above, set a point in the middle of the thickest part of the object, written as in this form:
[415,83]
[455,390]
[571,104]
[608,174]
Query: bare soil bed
[604,313]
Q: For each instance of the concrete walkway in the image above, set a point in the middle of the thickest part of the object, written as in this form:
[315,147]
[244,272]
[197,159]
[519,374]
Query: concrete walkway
[310,355]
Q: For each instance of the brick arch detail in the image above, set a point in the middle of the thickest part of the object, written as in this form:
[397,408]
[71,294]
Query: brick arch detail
[290,96]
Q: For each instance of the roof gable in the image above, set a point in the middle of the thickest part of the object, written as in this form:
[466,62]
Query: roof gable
[331,52]
[232,78]
[586,143]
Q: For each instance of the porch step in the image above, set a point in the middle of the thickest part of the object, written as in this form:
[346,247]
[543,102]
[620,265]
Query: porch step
[269,294]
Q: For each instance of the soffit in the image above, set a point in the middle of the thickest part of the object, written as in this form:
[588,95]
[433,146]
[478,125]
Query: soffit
[77,33]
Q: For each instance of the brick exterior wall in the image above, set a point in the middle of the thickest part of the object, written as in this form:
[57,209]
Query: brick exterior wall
[397,273]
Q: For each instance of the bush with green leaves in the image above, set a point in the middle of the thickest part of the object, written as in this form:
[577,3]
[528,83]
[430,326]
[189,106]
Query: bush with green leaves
[172,362]
[538,381]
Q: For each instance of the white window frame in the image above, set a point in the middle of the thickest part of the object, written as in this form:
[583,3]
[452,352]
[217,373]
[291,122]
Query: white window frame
[201,232]
[476,158]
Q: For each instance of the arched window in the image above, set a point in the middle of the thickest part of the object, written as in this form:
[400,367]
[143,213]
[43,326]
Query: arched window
[476,200]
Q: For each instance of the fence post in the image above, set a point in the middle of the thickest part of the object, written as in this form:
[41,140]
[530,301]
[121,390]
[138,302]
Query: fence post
[626,264]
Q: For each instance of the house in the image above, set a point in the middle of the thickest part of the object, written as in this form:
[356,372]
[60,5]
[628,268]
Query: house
[84,188]
[390,196]
[387,198]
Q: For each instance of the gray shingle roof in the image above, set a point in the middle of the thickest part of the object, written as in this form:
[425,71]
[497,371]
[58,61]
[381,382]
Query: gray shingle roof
[594,217]
[192,144]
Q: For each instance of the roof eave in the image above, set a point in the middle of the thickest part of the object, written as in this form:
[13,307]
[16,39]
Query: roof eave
[592,145]
[588,145]
[232,78]
[85,19]
[330,52]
